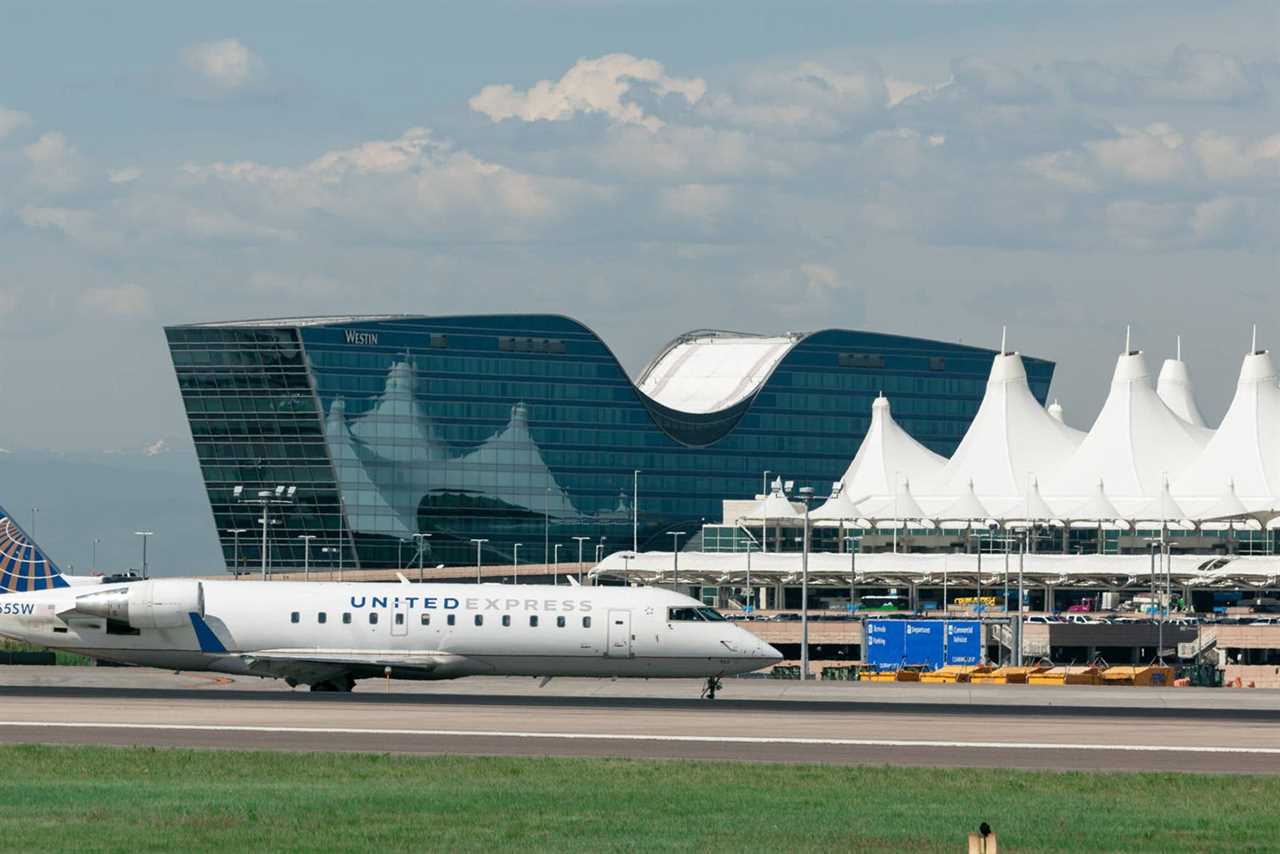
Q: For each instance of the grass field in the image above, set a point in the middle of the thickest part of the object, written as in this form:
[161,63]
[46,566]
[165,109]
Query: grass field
[141,799]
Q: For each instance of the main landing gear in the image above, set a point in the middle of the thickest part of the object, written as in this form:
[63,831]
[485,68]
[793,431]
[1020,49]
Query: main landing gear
[709,690]
[341,685]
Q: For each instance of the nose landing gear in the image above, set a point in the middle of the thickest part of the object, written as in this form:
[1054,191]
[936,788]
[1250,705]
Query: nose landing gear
[709,690]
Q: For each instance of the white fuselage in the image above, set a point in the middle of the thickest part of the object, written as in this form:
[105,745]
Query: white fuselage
[310,632]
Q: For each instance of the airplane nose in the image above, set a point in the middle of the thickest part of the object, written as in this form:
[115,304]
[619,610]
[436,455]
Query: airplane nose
[771,653]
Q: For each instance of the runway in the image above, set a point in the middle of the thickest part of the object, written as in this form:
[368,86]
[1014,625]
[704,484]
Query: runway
[1099,729]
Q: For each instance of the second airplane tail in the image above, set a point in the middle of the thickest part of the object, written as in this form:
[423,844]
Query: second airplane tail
[23,564]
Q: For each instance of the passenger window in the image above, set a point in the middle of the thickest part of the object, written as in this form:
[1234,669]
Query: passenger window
[586,622]
[294,617]
[479,620]
[426,619]
[506,619]
[533,620]
[346,617]
[399,619]
[559,622]
[452,618]
[322,617]
[373,618]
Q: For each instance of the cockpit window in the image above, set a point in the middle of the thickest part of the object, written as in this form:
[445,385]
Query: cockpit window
[712,615]
[684,615]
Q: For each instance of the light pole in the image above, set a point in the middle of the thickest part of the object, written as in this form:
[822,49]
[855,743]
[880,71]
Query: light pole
[806,495]
[515,563]
[555,574]
[306,555]
[580,540]
[34,512]
[145,535]
[479,546]
[675,559]
[93,554]
[1021,598]
[854,542]
[546,525]
[235,549]
[635,510]
[750,592]
[281,495]
[421,538]
[326,550]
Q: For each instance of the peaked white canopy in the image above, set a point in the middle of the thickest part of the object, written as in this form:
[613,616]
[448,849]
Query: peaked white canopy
[899,509]
[776,507]
[1162,510]
[1217,516]
[1031,509]
[838,508]
[1096,511]
[1011,439]
[1174,388]
[1246,447]
[1135,442]
[888,452]
[965,512]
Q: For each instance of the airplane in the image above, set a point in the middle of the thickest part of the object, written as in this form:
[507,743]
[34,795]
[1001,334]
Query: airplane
[328,635]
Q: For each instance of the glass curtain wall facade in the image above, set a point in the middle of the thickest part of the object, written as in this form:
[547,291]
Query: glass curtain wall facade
[521,429]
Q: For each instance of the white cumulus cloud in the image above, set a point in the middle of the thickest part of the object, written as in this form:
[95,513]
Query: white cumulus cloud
[55,163]
[226,64]
[11,120]
[125,301]
[599,85]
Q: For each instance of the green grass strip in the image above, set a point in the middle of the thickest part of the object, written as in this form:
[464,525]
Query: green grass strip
[145,799]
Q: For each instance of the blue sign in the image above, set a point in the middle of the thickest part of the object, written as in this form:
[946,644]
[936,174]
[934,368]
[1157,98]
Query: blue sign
[892,644]
[964,642]
[885,642]
[924,643]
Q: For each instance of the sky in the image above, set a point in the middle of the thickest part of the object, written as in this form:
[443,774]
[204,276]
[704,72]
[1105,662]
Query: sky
[933,168]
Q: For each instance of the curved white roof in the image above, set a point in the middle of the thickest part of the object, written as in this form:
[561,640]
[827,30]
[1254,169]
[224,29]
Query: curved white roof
[1011,439]
[1174,388]
[702,373]
[966,511]
[889,453]
[1135,443]
[1246,447]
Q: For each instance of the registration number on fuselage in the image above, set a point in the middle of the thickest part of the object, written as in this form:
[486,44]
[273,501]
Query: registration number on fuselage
[17,608]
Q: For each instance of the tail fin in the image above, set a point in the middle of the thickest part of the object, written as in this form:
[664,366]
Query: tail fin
[23,565]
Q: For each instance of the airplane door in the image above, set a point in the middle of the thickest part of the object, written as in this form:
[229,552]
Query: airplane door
[619,635]
[399,620]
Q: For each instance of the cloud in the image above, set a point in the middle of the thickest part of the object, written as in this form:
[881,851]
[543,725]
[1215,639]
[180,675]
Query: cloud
[599,85]
[226,64]
[810,99]
[11,120]
[125,301]
[1188,76]
[124,176]
[81,226]
[294,285]
[55,163]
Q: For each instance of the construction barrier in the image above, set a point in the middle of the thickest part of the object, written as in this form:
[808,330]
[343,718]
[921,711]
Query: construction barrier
[1006,675]
[1066,675]
[954,673]
[1141,675]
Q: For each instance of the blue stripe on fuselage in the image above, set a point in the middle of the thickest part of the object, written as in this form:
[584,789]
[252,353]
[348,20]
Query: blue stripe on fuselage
[208,640]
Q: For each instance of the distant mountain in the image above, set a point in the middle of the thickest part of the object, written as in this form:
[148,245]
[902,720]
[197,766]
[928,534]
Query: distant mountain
[109,495]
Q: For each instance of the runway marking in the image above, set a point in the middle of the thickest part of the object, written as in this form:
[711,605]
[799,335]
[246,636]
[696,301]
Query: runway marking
[700,739]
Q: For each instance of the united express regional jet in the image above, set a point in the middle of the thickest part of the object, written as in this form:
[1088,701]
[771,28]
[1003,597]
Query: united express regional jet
[330,634]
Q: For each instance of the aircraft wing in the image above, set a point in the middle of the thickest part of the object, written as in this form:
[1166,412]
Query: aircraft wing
[310,665]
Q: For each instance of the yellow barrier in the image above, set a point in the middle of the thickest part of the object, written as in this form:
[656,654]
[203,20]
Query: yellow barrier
[1065,676]
[1006,676]
[1145,675]
[953,673]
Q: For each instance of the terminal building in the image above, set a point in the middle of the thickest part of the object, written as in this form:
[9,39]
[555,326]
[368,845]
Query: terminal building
[456,441]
